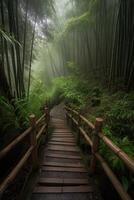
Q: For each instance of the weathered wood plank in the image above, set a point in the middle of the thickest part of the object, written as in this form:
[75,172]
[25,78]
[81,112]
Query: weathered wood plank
[58,164]
[64,169]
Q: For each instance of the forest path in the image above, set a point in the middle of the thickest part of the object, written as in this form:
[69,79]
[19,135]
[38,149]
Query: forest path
[62,174]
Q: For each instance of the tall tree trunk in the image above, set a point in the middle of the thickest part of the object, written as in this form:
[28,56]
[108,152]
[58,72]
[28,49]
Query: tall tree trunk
[31,56]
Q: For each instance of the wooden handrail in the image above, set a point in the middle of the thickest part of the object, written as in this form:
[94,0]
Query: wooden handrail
[40,119]
[87,138]
[9,147]
[40,132]
[94,143]
[89,124]
[35,131]
[116,183]
[16,170]
[21,137]
[122,155]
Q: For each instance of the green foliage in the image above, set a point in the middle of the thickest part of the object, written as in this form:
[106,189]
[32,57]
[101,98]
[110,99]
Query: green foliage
[73,90]
[8,117]
[79,22]
[117,110]
[14,114]
[38,97]
[9,38]
[115,163]
[121,117]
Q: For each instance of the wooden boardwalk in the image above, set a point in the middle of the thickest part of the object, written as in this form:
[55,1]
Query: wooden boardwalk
[62,174]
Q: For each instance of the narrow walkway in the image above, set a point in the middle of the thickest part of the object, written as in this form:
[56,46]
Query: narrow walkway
[62,175]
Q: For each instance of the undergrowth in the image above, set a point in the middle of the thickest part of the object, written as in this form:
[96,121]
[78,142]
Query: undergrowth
[15,114]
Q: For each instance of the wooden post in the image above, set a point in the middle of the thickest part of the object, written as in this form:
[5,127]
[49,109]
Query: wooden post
[79,125]
[33,142]
[46,110]
[95,147]
[67,118]
[72,123]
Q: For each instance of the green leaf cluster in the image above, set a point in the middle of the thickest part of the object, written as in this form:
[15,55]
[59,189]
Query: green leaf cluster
[78,22]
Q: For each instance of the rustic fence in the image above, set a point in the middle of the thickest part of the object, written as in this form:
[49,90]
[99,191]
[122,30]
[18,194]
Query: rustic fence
[84,127]
[33,133]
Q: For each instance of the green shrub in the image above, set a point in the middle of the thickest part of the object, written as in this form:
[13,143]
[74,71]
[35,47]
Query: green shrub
[120,117]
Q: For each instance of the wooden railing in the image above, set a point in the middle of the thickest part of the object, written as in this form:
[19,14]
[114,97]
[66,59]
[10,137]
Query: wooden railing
[33,134]
[85,127]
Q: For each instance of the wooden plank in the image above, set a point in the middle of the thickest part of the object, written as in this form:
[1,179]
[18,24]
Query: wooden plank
[62,148]
[77,189]
[62,135]
[41,190]
[62,131]
[61,140]
[62,181]
[75,181]
[63,152]
[54,155]
[51,181]
[57,164]
[61,143]
[64,169]
[65,189]
[75,148]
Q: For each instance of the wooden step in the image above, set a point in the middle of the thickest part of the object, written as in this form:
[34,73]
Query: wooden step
[57,164]
[62,140]
[62,148]
[62,136]
[61,143]
[63,174]
[61,160]
[53,155]
[65,189]
[62,131]
[73,153]
[62,181]
[64,169]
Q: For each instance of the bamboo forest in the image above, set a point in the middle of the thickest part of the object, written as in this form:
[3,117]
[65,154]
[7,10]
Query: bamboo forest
[66,99]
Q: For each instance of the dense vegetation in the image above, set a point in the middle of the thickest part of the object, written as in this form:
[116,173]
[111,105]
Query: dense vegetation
[80,52]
